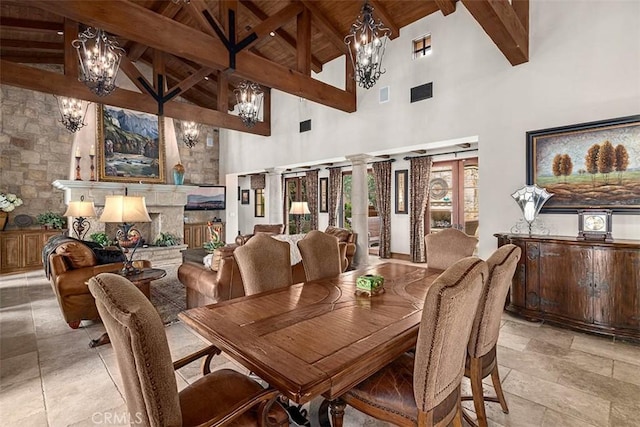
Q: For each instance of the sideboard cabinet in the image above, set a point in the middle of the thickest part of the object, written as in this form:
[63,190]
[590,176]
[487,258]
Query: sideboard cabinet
[21,250]
[592,286]
[196,234]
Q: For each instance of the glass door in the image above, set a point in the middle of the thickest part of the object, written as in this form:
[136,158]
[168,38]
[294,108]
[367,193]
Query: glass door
[296,191]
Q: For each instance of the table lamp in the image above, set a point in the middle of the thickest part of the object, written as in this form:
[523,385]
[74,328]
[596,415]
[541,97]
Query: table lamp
[126,210]
[298,209]
[81,210]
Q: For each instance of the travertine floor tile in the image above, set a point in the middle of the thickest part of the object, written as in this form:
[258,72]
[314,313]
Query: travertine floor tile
[540,366]
[557,419]
[515,342]
[11,346]
[582,360]
[21,401]
[558,397]
[605,347]
[17,369]
[522,412]
[626,372]
[625,414]
[550,334]
[605,387]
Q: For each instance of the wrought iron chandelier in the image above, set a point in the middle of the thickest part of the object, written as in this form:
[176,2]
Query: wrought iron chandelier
[190,133]
[366,42]
[71,112]
[248,101]
[99,57]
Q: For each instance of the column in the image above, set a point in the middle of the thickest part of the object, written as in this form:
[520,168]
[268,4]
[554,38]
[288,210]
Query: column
[360,207]
[273,194]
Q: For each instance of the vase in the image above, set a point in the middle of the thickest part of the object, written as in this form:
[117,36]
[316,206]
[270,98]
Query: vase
[178,178]
[4,218]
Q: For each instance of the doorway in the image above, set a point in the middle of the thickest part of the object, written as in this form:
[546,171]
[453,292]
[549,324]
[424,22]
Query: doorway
[296,191]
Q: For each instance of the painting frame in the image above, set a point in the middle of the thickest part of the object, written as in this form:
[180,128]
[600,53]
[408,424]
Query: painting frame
[402,191]
[142,170]
[586,179]
[323,195]
[245,197]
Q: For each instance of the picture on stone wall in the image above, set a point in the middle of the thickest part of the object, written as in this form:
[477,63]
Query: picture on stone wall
[588,165]
[130,145]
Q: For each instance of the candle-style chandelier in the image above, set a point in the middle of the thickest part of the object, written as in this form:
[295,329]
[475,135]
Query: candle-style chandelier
[190,133]
[248,101]
[99,57]
[366,42]
[72,112]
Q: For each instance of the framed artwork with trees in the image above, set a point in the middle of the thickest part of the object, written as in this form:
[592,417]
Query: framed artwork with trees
[588,165]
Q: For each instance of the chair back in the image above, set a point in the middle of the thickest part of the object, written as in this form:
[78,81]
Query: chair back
[321,256]
[268,228]
[446,247]
[486,327]
[447,317]
[142,351]
[264,264]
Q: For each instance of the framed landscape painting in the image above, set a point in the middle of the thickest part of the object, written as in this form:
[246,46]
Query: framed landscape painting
[588,165]
[130,145]
[323,195]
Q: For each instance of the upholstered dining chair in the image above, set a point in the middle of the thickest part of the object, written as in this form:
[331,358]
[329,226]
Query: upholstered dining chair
[424,389]
[481,351]
[446,247]
[264,264]
[150,388]
[321,255]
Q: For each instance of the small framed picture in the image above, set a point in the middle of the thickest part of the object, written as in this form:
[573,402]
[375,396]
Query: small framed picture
[244,198]
[402,190]
[323,194]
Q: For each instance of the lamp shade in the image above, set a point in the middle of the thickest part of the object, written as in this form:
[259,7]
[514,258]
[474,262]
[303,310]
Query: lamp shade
[299,208]
[81,209]
[125,209]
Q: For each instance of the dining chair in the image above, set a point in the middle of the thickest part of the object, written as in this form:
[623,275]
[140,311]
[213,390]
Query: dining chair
[424,389]
[481,351]
[321,255]
[264,264]
[446,247]
[148,377]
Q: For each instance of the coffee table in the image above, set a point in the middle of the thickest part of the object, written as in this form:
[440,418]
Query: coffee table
[142,280]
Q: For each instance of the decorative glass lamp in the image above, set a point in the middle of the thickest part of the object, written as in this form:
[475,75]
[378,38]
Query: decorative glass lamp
[530,198]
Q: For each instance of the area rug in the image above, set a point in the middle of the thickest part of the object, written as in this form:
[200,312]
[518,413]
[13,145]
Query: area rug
[169,296]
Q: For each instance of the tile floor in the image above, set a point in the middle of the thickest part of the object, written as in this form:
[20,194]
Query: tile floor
[50,377]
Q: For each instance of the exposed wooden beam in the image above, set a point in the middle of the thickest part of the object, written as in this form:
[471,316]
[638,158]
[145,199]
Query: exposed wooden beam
[29,25]
[28,58]
[158,70]
[304,42]
[274,22]
[168,9]
[133,22]
[289,41]
[327,27]
[380,12]
[70,53]
[521,8]
[31,45]
[192,80]
[419,151]
[446,6]
[132,72]
[223,92]
[59,84]
[503,25]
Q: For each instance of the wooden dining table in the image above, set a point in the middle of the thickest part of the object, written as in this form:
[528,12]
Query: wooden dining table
[319,337]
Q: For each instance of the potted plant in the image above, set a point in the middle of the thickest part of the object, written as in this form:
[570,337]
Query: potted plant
[51,219]
[167,239]
[101,239]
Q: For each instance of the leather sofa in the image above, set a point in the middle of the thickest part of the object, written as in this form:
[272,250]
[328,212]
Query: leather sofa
[241,239]
[70,263]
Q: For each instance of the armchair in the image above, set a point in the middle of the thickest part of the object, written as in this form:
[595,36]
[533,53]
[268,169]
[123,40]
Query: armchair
[241,239]
[349,238]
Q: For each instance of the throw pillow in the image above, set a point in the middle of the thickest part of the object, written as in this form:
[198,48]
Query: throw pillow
[77,254]
[108,256]
[341,233]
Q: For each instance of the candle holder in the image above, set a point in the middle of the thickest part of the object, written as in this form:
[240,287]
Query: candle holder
[78,168]
[93,167]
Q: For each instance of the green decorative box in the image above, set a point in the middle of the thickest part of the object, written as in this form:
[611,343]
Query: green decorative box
[370,283]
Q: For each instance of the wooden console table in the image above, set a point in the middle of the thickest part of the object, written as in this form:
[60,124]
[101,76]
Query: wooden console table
[587,285]
[21,250]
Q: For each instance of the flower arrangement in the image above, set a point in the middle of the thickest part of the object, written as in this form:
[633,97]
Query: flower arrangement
[9,202]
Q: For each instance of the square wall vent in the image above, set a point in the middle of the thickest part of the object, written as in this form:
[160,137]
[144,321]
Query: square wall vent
[421,92]
[305,126]
[384,94]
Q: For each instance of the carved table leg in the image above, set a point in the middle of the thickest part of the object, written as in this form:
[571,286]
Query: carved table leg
[104,339]
[323,414]
[337,412]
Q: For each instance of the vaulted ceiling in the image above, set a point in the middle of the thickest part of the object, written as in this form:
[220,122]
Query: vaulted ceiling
[191,45]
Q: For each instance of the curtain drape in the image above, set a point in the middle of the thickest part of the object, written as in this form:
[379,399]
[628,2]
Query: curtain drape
[419,176]
[335,194]
[312,197]
[382,177]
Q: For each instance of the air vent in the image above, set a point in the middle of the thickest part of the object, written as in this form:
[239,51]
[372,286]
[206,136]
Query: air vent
[384,94]
[305,126]
[421,92]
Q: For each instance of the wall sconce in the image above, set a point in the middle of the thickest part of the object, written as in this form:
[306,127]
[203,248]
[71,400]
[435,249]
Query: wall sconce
[81,211]
[99,57]
[190,133]
[71,112]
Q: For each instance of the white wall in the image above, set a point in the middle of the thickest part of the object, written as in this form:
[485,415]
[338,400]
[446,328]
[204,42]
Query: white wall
[584,66]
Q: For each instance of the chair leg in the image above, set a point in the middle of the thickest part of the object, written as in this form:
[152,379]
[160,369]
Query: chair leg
[477,391]
[75,324]
[337,412]
[497,385]
[457,419]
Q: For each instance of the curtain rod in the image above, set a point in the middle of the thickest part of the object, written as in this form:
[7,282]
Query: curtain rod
[441,154]
[303,171]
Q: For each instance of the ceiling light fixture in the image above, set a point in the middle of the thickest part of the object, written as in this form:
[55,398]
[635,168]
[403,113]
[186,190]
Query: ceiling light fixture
[99,57]
[71,112]
[367,41]
[190,133]
[248,102]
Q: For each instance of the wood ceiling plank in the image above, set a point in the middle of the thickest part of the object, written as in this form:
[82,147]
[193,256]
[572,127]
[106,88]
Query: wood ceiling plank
[326,26]
[59,84]
[70,52]
[500,21]
[446,6]
[29,58]
[30,25]
[381,13]
[274,22]
[132,72]
[191,81]
[304,42]
[168,9]
[31,45]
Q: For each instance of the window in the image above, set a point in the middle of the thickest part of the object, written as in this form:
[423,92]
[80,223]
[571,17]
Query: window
[296,192]
[422,46]
[259,202]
